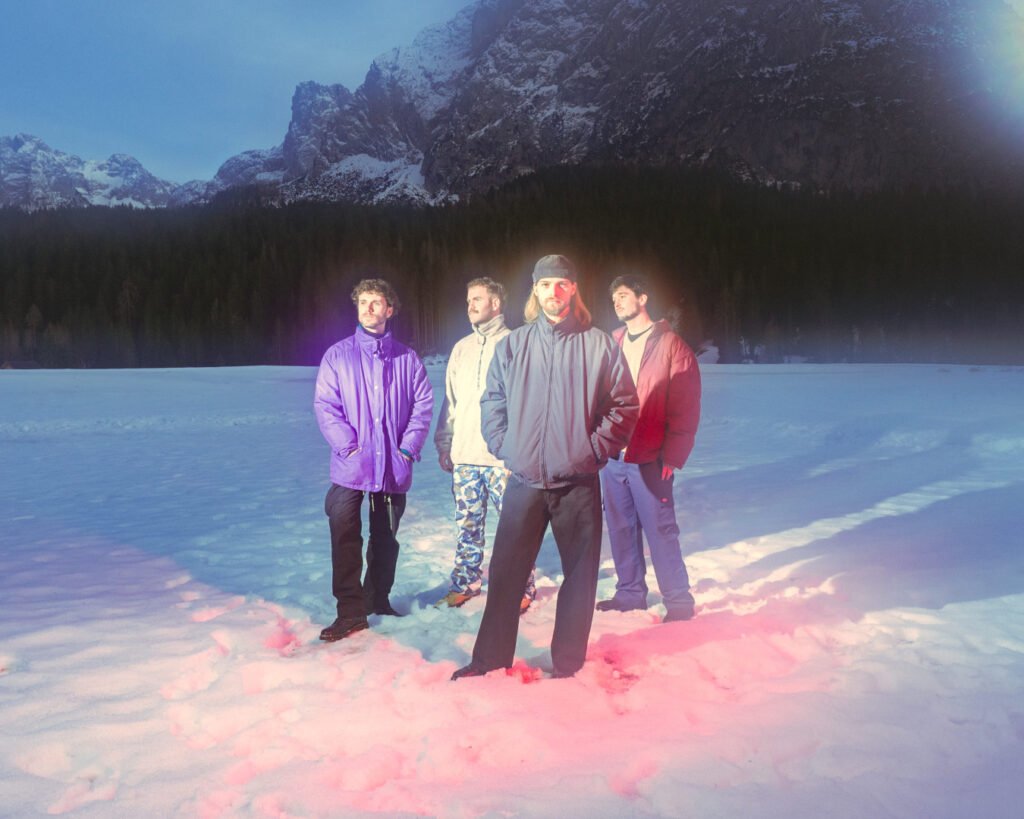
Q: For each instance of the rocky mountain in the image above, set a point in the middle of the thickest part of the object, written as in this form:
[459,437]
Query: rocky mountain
[33,175]
[822,94]
[848,94]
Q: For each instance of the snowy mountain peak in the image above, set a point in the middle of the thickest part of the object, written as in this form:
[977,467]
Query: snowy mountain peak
[821,94]
[23,142]
[33,176]
[427,70]
[855,94]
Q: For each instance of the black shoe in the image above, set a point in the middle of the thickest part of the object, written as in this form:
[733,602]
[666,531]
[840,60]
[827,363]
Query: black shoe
[616,605]
[562,675]
[385,610]
[343,627]
[468,671]
[678,615]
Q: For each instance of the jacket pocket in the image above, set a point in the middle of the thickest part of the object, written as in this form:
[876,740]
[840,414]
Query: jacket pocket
[401,467]
[350,465]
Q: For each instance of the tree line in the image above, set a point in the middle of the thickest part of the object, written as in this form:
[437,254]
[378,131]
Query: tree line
[919,275]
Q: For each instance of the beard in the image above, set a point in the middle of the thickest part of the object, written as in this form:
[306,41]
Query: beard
[627,316]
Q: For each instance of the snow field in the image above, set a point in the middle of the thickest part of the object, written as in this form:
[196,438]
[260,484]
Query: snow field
[852,534]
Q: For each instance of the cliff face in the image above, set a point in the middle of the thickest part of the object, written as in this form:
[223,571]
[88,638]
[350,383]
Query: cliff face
[821,93]
[824,94]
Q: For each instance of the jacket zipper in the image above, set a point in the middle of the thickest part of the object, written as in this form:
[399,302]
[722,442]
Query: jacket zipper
[480,360]
[544,416]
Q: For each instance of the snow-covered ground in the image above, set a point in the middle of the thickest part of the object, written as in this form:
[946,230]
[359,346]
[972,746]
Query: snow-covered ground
[853,534]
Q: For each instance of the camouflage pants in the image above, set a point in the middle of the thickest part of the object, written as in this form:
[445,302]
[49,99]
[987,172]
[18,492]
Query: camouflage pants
[473,487]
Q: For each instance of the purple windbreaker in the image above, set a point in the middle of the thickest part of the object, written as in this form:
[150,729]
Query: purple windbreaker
[372,400]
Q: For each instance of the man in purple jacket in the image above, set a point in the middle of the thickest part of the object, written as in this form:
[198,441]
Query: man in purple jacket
[373,403]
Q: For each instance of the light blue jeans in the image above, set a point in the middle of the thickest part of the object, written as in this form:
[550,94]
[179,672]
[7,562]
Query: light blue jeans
[637,501]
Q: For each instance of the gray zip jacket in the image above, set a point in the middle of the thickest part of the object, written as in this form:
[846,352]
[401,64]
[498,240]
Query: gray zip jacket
[559,402]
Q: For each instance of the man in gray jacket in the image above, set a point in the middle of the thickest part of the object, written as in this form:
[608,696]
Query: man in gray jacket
[478,478]
[559,401]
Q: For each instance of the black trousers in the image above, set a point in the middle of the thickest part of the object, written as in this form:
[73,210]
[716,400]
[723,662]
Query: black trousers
[344,512]
[574,513]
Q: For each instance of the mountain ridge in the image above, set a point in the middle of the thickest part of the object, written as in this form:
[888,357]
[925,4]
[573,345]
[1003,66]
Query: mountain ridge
[817,94]
[33,175]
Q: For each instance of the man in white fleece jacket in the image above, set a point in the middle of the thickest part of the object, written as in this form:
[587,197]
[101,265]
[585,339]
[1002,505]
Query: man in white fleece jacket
[477,476]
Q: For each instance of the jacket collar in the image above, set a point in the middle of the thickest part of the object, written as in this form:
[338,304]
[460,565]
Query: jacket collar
[660,326]
[490,327]
[373,344]
[570,324]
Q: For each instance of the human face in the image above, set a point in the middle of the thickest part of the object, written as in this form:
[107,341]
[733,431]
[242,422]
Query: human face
[481,306]
[628,305]
[373,311]
[555,296]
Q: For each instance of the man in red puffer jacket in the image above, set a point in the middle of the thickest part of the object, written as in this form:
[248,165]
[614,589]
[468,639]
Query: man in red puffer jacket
[637,486]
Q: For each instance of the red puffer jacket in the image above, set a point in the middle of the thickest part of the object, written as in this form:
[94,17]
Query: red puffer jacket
[669,388]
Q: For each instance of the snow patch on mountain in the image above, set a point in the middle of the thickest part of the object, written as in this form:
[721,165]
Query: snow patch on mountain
[35,176]
[365,178]
[428,68]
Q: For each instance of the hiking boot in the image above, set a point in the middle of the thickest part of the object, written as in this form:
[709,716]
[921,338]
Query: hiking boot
[468,671]
[524,604]
[454,599]
[385,610]
[614,604]
[343,627]
[678,615]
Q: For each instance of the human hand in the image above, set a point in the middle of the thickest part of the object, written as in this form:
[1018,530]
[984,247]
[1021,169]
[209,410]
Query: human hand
[666,472]
[445,460]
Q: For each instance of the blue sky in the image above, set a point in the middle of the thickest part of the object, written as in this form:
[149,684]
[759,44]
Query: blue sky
[182,85]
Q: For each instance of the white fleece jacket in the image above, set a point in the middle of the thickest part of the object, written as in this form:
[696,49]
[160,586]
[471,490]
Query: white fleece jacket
[458,425]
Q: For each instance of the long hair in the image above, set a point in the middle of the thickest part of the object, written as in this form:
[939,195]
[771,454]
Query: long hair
[533,311]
